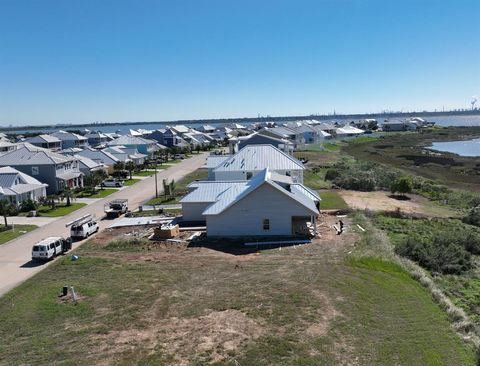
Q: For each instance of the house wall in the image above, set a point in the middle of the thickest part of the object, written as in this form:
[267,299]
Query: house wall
[192,211]
[43,173]
[245,218]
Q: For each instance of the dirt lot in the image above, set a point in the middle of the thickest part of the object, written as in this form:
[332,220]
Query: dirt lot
[165,303]
[382,201]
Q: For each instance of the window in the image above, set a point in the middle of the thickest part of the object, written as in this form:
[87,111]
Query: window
[266,224]
[249,175]
[34,170]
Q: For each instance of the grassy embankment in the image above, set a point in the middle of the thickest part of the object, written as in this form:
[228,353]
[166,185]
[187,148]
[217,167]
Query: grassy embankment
[305,306]
[180,188]
[14,231]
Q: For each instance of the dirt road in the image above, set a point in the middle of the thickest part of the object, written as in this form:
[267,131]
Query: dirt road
[15,257]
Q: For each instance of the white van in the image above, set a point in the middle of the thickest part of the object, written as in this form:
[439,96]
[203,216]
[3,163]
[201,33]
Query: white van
[48,248]
[82,227]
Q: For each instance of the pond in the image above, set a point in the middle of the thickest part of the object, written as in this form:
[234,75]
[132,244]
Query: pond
[462,148]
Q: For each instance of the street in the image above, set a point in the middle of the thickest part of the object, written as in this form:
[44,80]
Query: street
[15,256]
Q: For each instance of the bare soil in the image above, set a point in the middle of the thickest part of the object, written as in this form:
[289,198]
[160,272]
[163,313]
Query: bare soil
[381,201]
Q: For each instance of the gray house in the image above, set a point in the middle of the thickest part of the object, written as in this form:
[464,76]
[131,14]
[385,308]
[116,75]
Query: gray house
[46,141]
[70,139]
[56,170]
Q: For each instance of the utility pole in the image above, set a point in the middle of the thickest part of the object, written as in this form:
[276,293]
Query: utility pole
[156,183]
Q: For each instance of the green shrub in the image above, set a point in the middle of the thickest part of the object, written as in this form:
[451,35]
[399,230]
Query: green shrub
[473,216]
[443,254]
[28,205]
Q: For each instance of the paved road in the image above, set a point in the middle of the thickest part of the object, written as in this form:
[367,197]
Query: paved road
[15,257]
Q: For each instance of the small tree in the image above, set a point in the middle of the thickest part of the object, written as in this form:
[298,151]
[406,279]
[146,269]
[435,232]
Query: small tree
[402,185]
[68,194]
[6,209]
[51,199]
[165,188]
[171,188]
[130,166]
[119,165]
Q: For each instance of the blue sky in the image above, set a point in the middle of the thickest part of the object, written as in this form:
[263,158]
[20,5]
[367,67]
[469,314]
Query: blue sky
[114,60]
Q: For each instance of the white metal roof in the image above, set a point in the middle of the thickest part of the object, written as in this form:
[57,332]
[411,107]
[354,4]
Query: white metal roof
[259,157]
[215,160]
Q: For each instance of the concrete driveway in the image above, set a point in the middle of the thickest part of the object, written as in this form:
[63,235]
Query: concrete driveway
[15,256]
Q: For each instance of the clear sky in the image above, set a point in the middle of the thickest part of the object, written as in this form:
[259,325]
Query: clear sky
[141,60]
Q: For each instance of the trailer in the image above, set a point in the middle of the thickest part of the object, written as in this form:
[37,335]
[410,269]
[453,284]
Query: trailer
[116,208]
[83,227]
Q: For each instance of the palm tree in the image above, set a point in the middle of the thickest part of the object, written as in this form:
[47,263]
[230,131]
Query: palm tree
[68,194]
[6,209]
[130,166]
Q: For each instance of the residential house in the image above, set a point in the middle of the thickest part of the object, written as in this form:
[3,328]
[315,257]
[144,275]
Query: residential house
[395,126]
[142,145]
[56,170]
[17,187]
[87,165]
[101,157]
[257,138]
[268,205]
[168,137]
[125,154]
[70,139]
[254,158]
[348,131]
[212,162]
[285,133]
[96,138]
[46,141]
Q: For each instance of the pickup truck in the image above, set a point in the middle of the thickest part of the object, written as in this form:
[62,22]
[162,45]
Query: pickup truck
[50,247]
[116,208]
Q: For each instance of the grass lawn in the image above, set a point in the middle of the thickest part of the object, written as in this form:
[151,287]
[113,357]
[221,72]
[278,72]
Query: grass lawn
[9,234]
[61,209]
[181,187]
[323,147]
[307,305]
[143,173]
[331,200]
[315,180]
[130,182]
[99,193]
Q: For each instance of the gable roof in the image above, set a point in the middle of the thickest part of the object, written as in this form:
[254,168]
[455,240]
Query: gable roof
[238,191]
[9,185]
[215,160]
[130,140]
[259,157]
[32,155]
[64,135]
[43,138]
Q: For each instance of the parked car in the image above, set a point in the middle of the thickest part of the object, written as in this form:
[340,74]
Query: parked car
[112,183]
[50,247]
[121,174]
[179,156]
[83,227]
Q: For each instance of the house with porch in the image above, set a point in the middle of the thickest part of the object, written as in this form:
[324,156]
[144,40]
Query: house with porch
[56,170]
[17,187]
[267,205]
[70,139]
[46,141]
[100,156]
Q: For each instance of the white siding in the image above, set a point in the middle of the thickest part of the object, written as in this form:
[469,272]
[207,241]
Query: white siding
[192,211]
[245,218]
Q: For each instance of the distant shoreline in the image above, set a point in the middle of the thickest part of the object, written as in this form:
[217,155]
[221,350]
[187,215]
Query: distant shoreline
[247,120]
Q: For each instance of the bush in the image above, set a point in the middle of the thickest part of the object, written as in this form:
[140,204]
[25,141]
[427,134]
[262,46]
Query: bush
[402,185]
[28,205]
[443,254]
[473,216]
